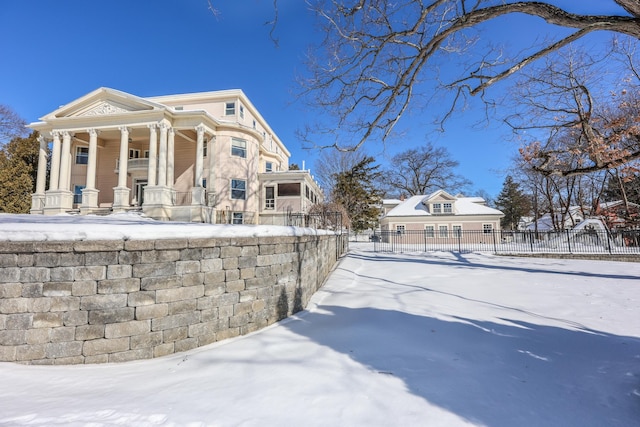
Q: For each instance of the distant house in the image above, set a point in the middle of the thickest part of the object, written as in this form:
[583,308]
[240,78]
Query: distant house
[573,217]
[204,157]
[618,215]
[440,213]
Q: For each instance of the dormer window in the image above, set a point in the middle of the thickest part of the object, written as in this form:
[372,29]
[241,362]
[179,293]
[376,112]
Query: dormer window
[437,208]
[448,208]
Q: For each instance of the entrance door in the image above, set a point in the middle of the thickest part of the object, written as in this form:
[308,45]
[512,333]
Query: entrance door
[139,191]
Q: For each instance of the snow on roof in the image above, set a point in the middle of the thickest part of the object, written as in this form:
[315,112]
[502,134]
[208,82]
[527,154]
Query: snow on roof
[414,206]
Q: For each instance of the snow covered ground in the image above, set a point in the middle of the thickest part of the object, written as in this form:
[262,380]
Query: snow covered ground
[439,339]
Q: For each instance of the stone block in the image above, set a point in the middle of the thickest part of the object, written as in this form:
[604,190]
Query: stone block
[8,353]
[75,318]
[230,263]
[97,246]
[101,258]
[91,272]
[247,262]
[258,305]
[139,245]
[98,358]
[38,336]
[34,274]
[105,346]
[30,352]
[52,246]
[185,267]
[186,344]
[61,274]
[136,299]
[230,332]
[63,349]
[47,259]
[119,271]
[25,260]
[230,252]
[113,315]
[65,303]
[103,302]
[205,328]
[83,288]
[152,311]
[229,299]
[211,252]
[39,305]
[119,286]
[214,277]
[8,260]
[156,269]
[32,290]
[63,334]
[130,257]
[175,321]
[72,360]
[225,311]
[179,294]
[10,290]
[191,254]
[250,251]
[175,334]
[48,320]
[242,308]
[184,306]
[213,264]
[161,244]
[127,329]
[248,273]
[89,332]
[163,349]
[214,289]
[13,305]
[56,289]
[266,249]
[18,321]
[155,283]
[149,340]
[248,295]
[206,302]
[127,356]
[152,257]
[192,279]
[70,259]
[209,314]
[231,275]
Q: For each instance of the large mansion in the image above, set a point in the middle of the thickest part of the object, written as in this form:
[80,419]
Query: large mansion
[205,157]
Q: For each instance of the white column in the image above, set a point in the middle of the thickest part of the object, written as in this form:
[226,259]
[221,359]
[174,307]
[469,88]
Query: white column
[199,157]
[65,155]
[93,159]
[170,158]
[162,156]
[124,157]
[55,162]
[211,179]
[153,156]
[42,166]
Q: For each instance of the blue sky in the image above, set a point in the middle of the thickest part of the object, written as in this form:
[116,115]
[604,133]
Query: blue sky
[56,51]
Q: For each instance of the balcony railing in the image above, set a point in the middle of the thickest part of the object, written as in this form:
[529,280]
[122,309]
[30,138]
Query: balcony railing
[134,164]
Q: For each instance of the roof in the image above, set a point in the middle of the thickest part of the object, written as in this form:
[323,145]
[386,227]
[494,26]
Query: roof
[414,206]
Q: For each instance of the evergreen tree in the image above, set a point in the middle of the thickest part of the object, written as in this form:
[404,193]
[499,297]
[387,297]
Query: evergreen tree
[616,184]
[18,171]
[513,203]
[357,192]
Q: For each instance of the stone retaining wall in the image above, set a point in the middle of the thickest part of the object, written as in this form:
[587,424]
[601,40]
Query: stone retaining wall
[119,300]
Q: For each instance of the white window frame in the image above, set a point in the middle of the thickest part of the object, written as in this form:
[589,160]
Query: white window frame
[487,228]
[235,187]
[268,166]
[230,108]
[401,228]
[447,207]
[456,230]
[239,147]
[82,153]
[436,208]
[134,153]
[430,231]
[241,111]
[237,218]
[77,193]
[443,231]
[270,202]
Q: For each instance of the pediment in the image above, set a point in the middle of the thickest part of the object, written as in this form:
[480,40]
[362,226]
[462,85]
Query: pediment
[104,102]
[440,196]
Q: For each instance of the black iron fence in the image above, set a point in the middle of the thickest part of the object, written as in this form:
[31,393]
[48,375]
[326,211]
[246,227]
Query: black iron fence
[510,242]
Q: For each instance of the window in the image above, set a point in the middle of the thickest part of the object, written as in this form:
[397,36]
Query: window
[230,108]
[146,154]
[204,182]
[134,154]
[238,147]
[77,194]
[437,208]
[400,229]
[268,167]
[448,207]
[237,218]
[242,111]
[443,231]
[82,155]
[204,148]
[254,126]
[430,231]
[457,230]
[269,199]
[238,189]
[487,228]
[292,189]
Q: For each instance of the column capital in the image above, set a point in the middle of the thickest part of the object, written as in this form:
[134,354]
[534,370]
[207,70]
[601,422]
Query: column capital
[200,128]
[171,130]
[55,134]
[93,132]
[153,126]
[67,134]
[124,129]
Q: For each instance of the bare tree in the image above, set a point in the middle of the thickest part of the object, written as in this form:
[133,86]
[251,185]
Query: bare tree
[330,163]
[377,54]
[422,171]
[11,125]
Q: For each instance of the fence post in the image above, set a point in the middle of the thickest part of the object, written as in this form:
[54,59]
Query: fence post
[459,233]
[425,239]
[608,241]
[495,247]
[531,240]
[569,240]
